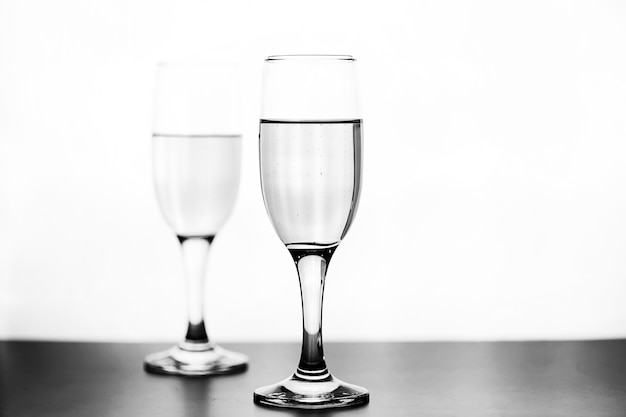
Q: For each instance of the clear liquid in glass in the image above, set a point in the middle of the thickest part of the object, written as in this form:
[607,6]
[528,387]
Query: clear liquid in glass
[311,178]
[196,179]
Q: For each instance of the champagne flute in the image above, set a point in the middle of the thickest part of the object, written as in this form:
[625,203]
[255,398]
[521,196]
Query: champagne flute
[310,150]
[196,146]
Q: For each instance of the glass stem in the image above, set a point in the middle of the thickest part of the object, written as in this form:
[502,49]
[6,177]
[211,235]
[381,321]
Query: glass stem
[312,265]
[195,254]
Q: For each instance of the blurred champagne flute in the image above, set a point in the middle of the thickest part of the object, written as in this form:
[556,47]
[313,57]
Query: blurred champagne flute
[196,146]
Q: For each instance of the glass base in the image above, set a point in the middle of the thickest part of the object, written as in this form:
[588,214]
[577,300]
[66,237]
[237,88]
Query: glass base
[196,359]
[296,392]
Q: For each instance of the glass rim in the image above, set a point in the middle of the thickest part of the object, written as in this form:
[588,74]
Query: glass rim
[312,57]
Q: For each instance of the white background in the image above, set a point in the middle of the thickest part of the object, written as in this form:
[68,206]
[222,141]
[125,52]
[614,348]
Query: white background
[494,199]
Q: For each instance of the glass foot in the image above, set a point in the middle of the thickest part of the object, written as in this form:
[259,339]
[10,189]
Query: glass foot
[296,392]
[196,359]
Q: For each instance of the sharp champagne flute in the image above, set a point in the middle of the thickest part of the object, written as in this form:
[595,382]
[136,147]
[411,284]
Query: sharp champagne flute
[196,149]
[310,149]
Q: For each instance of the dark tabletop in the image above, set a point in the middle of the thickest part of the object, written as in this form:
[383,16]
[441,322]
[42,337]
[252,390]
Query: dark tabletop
[581,378]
